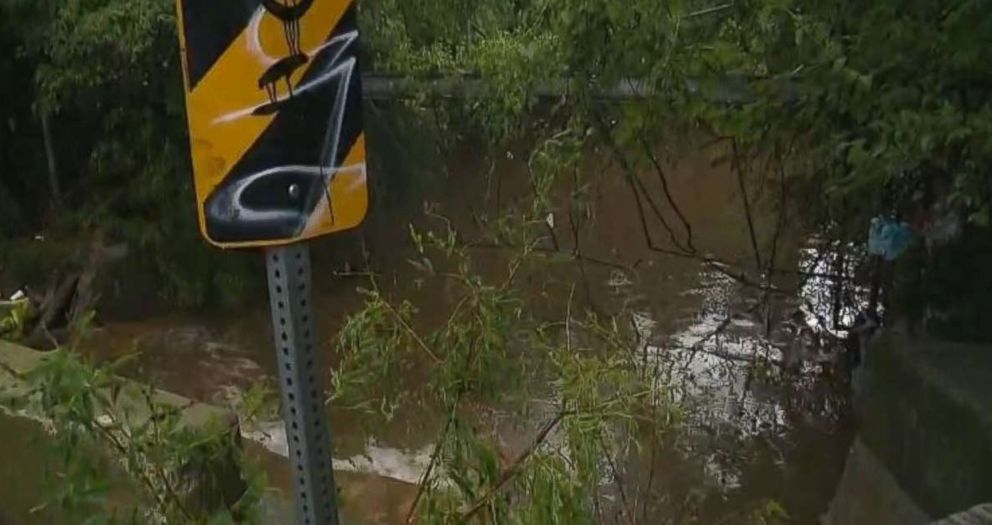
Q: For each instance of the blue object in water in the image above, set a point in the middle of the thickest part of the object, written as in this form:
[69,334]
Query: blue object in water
[888,239]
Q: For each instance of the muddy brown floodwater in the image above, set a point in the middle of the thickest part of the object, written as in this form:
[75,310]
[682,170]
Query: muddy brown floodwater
[757,431]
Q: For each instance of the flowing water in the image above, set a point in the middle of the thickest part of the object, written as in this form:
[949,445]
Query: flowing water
[769,418]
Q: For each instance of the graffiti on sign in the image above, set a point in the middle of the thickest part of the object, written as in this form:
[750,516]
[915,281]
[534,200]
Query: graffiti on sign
[274,106]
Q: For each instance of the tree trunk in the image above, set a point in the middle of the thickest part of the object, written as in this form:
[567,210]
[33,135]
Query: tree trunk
[53,178]
[57,303]
[86,294]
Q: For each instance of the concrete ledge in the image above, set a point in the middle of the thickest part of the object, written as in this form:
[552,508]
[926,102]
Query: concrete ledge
[925,412]
[868,495]
[365,497]
[22,360]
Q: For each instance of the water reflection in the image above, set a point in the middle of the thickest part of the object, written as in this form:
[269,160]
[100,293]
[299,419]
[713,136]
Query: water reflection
[766,411]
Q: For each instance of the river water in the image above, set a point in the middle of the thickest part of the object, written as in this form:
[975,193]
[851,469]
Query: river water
[769,418]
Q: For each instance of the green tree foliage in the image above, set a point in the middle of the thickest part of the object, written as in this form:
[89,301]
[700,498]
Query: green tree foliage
[106,74]
[846,110]
[857,108]
[477,357]
[119,453]
[869,107]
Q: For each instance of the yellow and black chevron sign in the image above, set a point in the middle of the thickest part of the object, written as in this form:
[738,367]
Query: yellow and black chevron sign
[273,98]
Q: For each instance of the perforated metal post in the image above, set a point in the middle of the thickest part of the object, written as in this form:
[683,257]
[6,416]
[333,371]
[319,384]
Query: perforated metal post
[299,378]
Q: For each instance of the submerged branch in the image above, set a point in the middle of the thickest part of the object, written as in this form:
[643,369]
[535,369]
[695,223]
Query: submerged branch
[699,345]
[739,169]
[637,187]
[780,223]
[734,357]
[668,194]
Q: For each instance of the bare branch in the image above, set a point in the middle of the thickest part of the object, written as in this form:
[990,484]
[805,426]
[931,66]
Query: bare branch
[514,468]
[637,187]
[435,454]
[406,327]
[668,194]
[782,205]
[739,170]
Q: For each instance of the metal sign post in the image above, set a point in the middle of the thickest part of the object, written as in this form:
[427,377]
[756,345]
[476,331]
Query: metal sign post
[307,430]
[273,102]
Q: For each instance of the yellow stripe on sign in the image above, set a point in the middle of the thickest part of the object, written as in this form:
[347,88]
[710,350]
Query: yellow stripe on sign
[222,128]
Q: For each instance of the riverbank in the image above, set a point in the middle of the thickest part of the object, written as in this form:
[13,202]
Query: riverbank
[367,499]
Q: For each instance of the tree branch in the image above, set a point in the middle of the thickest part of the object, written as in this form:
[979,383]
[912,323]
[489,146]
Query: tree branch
[668,194]
[435,454]
[514,468]
[636,185]
[739,170]
[783,199]
[399,318]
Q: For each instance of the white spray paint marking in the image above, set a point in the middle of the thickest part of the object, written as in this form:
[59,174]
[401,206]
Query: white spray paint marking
[254,38]
[323,209]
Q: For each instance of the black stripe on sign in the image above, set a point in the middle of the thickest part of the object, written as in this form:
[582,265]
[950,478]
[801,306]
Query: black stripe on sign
[211,26]
[296,137]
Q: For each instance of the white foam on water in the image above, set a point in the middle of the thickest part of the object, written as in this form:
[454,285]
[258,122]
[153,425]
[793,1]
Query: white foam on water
[407,466]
